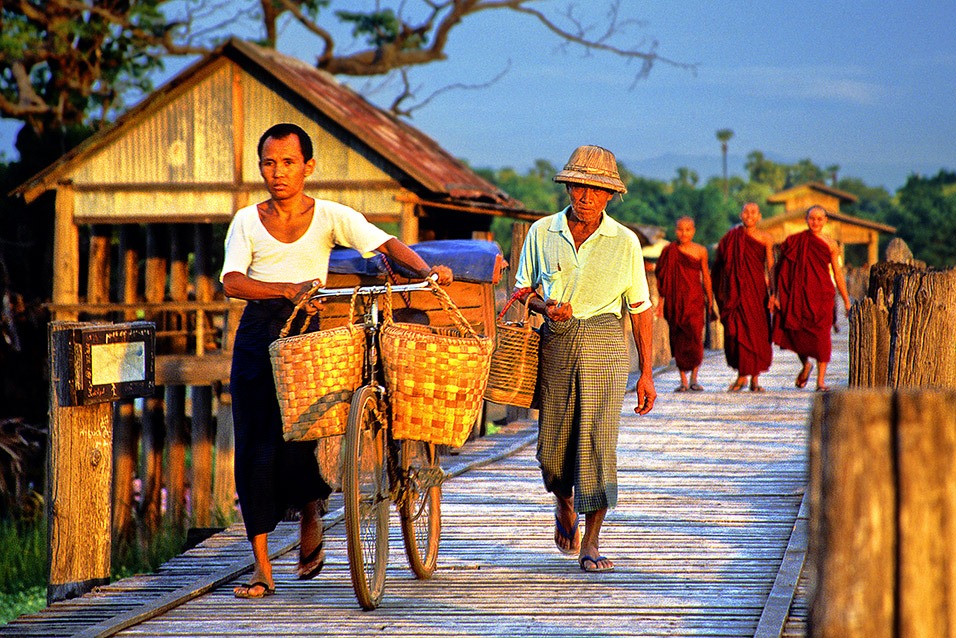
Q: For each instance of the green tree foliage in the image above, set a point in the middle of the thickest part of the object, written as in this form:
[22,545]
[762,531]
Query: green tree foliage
[924,210]
[926,217]
[64,62]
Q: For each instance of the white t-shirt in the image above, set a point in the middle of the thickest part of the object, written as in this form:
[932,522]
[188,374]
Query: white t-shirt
[252,251]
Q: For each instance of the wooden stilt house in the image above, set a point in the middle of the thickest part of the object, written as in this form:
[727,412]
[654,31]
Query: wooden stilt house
[844,228]
[142,209]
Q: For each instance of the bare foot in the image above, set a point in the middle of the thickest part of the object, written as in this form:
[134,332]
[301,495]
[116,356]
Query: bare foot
[567,533]
[804,375]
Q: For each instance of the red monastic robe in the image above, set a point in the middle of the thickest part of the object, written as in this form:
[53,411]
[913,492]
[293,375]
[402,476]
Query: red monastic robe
[742,296]
[680,287]
[806,294]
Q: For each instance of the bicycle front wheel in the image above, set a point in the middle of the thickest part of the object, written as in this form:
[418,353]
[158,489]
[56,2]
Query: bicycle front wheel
[419,505]
[366,492]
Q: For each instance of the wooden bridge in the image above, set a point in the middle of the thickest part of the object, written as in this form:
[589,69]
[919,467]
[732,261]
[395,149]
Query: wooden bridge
[708,539]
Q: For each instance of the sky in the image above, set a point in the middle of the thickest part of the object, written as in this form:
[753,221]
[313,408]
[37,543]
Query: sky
[864,84]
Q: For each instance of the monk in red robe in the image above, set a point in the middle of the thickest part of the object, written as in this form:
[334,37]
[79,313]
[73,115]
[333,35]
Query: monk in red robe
[683,280]
[742,271]
[805,295]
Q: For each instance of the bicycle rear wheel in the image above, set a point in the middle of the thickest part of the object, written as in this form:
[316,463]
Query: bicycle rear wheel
[419,505]
[365,488]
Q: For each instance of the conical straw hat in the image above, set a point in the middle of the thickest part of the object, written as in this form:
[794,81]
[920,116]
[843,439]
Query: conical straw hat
[592,166]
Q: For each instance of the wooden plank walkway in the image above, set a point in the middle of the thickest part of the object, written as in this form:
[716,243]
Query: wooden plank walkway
[711,484]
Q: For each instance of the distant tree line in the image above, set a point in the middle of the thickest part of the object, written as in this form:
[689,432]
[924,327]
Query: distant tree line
[923,210]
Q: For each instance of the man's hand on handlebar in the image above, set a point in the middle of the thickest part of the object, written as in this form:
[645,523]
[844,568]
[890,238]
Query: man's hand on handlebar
[442,274]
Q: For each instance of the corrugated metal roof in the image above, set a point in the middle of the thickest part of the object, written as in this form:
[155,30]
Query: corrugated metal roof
[441,176]
[798,215]
[784,195]
[408,148]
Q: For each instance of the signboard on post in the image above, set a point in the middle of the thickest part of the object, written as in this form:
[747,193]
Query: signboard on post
[91,365]
[113,362]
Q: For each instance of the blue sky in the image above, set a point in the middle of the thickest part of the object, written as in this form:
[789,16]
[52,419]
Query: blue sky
[867,85]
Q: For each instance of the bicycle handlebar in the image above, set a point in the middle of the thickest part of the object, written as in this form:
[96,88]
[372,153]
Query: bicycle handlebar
[323,293]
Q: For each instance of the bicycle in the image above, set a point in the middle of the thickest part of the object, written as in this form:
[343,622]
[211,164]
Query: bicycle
[378,470]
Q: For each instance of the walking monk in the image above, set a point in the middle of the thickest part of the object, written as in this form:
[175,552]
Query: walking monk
[742,269]
[683,280]
[805,295]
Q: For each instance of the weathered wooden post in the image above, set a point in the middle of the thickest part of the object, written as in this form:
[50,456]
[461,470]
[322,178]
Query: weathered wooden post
[154,427]
[175,470]
[882,556]
[125,425]
[923,329]
[911,342]
[90,366]
[869,342]
[201,397]
[225,480]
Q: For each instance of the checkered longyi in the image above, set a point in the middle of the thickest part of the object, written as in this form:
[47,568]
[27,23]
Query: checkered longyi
[583,374]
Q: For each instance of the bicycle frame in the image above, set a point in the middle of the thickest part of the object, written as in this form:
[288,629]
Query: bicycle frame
[411,479]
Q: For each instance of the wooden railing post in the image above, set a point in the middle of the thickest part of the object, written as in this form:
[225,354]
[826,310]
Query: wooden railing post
[79,472]
[175,471]
[883,514]
[201,481]
[910,343]
[869,342]
[154,429]
[923,329]
[225,480]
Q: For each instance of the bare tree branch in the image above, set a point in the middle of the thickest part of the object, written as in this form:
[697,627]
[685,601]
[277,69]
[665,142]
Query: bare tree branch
[84,55]
[407,93]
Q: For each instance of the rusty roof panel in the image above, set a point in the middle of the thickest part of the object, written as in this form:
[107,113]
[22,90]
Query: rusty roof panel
[408,148]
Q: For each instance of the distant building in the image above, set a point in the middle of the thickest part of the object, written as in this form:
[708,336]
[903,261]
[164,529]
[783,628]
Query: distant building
[845,229]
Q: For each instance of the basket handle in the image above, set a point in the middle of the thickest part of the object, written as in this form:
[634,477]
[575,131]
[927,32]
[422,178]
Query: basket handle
[519,293]
[452,310]
[447,305]
[306,299]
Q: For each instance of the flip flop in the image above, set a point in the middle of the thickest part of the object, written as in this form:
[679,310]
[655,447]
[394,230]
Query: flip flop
[245,591]
[736,387]
[311,565]
[594,570]
[573,536]
[756,388]
[681,388]
[823,388]
[695,387]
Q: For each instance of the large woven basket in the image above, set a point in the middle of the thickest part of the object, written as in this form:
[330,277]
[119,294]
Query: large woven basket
[435,376]
[514,363]
[315,375]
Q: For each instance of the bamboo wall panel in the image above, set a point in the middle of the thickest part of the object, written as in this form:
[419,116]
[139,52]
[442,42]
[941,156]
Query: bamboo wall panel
[201,206]
[337,158]
[187,140]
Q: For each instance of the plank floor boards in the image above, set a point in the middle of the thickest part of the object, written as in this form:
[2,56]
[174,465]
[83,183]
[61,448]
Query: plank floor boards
[710,487]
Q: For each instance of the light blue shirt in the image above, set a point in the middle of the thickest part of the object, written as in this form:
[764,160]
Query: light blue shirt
[595,278]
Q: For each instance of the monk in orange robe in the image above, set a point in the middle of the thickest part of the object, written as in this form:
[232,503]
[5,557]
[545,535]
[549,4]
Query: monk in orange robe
[805,295]
[683,281]
[742,269]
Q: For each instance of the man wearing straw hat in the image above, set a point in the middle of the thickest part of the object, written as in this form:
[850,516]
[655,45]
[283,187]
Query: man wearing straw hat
[583,268]
[276,251]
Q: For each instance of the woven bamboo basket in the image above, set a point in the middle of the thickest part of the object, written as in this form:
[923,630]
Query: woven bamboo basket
[435,376]
[514,363]
[315,375]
